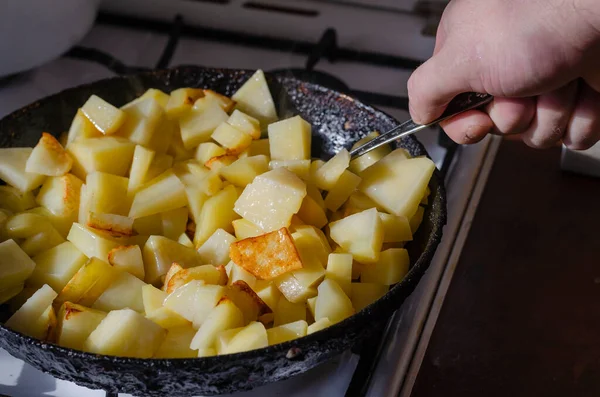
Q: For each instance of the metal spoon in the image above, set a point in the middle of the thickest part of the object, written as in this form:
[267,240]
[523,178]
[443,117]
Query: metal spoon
[461,103]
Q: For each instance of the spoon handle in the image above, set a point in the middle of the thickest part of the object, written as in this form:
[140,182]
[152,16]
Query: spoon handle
[461,103]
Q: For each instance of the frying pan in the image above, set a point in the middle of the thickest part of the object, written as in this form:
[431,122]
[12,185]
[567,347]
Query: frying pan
[338,121]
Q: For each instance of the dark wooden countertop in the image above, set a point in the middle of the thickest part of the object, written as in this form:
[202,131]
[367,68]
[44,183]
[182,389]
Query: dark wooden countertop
[522,314]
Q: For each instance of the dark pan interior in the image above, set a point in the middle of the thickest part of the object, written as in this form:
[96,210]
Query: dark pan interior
[337,122]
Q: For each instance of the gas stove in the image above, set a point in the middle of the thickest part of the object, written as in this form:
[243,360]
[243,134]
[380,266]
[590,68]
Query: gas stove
[135,35]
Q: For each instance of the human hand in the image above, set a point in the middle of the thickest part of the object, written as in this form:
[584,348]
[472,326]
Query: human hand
[539,58]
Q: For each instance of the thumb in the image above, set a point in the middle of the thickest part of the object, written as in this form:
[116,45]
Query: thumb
[433,85]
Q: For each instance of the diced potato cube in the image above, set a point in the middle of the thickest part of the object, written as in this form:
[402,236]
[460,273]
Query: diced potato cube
[217,163]
[153,299]
[105,117]
[152,93]
[207,151]
[60,195]
[148,225]
[160,252]
[397,184]
[196,197]
[92,242]
[363,294]
[395,228]
[244,228]
[81,127]
[115,225]
[267,256]
[48,158]
[208,273]
[129,259]
[197,126]
[75,324]
[173,269]
[268,292]
[290,139]
[293,290]
[298,167]
[289,312]
[332,302]
[118,334]
[318,241]
[234,140]
[287,332]
[226,315]
[360,235]
[223,339]
[26,319]
[258,147]
[312,271]
[142,158]
[194,301]
[215,250]
[181,101]
[339,269]
[318,325]
[238,273]
[90,281]
[164,193]
[217,213]
[314,167]
[190,172]
[13,200]
[7,294]
[42,241]
[185,240]
[177,343]
[248,301]
[416,219]
[163,136]
[312,213]
[254,98]
[124,292]
[243,171]
[207,352]
[12,169]
[329,173]
[107,194]
[245,123]
[174,222]
[56,266]
[392,267]
[366,160]
[226,103]
[160,164]
[15,265]
[311,304]
[25,225]
[142,120]
[112,155]
[271,199]
[358,202]
[344,187]
[251,337]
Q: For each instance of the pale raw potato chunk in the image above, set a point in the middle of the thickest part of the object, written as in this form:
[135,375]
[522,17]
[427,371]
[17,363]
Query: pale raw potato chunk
[326,176]
[217,213]
[142,158]
[173,269]
[129,259]
[48,158]
[362,162]
[124,292]
[226,103]
[185,240]
[208,273]
[223,339]
[25,319]
[153,299]
[119,335]
[56,266]
[15,265]
[42,241]
[115,225]
[298,167]
[92,242]
[176,149]
[90,281]
[105,117]
[142,120]
[314,167]
[397,184]
[290,139]
[292,290]
[13,200]
[177,343]
[112,155]
[344,187]
[216,163]
[339,269]
[258,147]
[253,336]
[60,195]
[148,225]
[234,140]
[196,197]
[153,93]
[289,312]
[311,303]
[287,332]
[194,300]
[267,291]
[416,219]
[164,193]
[254,98]
[271,199]
[25,225]
[243,171]
[312,213]
[81,127]
[358,202]
[197,126]
[318,325]
[208,150]
[107,194]
[207,352]
[244,228]
[267,256]
[360,235]
[244,297]
[160,252]
[318,241]
[12,169]
[390,269]
[245,123]
[332,302]
[75,324]
[363,294]
[226,315]
[61,224]
[312,271]
[238,273]
[160,164]
[215,250]
[395,228]
[181,101]
[7,294]
[174,222]
[210,185]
